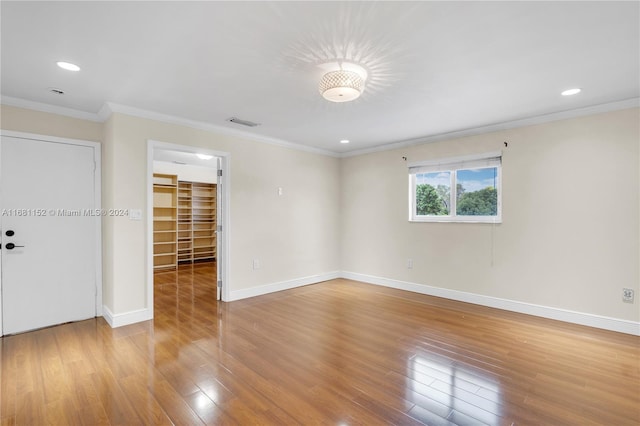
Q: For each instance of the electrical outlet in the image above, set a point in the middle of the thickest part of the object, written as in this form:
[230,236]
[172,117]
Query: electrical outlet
[256,263]
[409,263]
[627,295]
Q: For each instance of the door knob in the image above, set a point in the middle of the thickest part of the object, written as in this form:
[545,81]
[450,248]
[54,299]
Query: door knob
[11,246]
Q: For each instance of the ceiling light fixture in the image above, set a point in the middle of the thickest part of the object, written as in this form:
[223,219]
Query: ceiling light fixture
[570,92]
[341,86]
[204,156]
[344,141]
[68,66]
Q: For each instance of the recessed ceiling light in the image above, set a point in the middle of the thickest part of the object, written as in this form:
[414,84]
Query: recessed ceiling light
[344,141]
[204,156]
[68,66]
[570,92]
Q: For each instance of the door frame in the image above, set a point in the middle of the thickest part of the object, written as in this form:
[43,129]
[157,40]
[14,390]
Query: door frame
[97,194]
[223,258]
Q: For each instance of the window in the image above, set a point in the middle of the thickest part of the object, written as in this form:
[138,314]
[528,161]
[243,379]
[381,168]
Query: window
[461,189]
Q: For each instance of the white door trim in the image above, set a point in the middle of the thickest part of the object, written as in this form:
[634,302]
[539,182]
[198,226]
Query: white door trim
[223,256]
[97,182]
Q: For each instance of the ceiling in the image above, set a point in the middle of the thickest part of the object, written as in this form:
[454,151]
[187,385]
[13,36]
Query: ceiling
[434,67]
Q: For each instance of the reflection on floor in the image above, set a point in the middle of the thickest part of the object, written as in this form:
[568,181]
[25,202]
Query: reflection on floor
[184,288]
[338,352]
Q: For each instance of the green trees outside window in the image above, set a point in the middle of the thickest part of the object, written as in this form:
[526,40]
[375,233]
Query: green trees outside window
[476,193]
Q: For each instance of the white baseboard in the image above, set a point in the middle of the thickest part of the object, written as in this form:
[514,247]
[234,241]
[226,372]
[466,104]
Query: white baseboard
[591,320]
[126,318]
[119,320]
[283,285]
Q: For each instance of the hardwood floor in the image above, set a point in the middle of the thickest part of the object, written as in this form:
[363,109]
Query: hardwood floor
[339,353]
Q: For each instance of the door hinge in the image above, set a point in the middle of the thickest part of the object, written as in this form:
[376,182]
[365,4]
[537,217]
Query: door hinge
[219,228]
[219,284]
[220,172]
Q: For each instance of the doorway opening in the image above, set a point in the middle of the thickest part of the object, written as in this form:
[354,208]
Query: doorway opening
[187,216]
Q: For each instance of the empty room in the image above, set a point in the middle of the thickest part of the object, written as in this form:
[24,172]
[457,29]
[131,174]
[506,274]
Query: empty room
[320,212]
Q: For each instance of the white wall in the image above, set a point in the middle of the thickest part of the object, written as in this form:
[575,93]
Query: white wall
[569,237]
[188,172]
[294,236]
[44,123]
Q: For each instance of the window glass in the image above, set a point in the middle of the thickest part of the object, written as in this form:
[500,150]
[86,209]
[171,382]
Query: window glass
[477,192]
[433,193]
[458,189]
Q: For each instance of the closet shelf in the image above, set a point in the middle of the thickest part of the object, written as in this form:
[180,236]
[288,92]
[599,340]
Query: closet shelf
[165,218]
[184,221]
[196,214]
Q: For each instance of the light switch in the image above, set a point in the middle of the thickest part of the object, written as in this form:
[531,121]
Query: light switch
[135,214]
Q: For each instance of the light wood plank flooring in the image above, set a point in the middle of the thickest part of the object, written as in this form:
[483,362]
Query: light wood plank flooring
[336,353]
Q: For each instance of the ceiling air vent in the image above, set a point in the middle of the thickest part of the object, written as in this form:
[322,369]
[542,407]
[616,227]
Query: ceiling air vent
[242,122]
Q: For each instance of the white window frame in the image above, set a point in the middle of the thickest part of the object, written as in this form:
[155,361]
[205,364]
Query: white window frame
[452,165]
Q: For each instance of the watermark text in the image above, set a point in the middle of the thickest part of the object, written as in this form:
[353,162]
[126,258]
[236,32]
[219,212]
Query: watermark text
[65,212]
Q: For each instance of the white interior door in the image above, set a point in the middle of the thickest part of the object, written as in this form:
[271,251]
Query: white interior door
[49,238]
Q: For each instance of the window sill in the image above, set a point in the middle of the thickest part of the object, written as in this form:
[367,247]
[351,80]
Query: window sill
[449,219]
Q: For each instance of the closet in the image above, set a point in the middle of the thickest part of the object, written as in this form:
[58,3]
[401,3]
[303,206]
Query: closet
[165,196]
[196,221]
[184,215]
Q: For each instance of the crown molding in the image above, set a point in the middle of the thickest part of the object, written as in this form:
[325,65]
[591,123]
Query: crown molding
[52,109]
[540,119]
[105,112]
[200,125]
[108,108]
